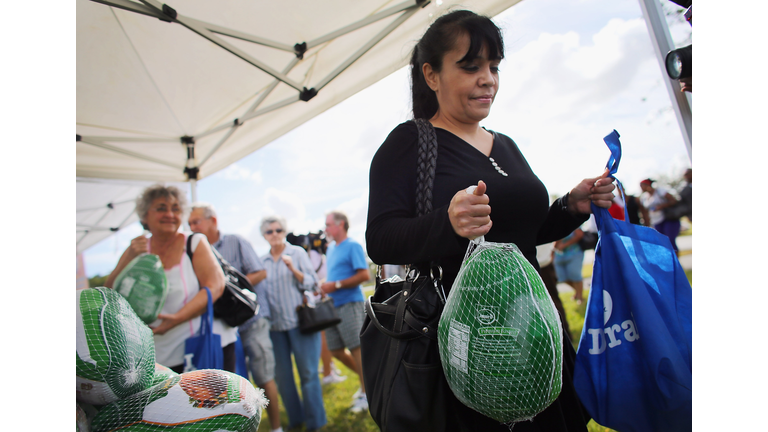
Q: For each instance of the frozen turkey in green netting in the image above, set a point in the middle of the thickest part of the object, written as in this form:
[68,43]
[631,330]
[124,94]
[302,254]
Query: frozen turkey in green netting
[115,349]
[143,283]
[205,400]
[162,373]
[500,336]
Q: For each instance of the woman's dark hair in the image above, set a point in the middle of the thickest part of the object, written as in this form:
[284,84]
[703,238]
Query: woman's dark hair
[440,38]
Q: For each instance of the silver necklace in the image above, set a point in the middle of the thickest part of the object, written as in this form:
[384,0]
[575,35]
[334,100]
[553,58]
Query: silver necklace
[498,168]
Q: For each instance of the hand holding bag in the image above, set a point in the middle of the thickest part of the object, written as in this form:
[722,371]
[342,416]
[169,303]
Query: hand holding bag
[634,363]
[204,350]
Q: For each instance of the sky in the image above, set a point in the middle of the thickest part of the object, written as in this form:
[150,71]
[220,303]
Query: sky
[574,71]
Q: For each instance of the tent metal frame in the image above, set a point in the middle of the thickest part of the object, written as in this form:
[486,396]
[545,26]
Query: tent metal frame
[209,31]
[662,43]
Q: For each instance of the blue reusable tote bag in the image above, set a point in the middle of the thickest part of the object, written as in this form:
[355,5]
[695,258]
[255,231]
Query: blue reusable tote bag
[204,350]
[633,369]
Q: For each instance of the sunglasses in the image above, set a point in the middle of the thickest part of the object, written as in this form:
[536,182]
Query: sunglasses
[268,232]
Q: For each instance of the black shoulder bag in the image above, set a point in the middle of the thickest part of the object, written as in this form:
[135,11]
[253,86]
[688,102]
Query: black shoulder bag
[404,379]
[238,302]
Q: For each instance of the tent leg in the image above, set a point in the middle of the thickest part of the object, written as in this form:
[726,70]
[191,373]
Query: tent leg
[193,188]
[662,44]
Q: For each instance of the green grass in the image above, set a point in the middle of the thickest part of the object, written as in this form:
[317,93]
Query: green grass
[338,397]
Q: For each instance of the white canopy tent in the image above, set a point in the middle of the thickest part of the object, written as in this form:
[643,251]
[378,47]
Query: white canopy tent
[177,92]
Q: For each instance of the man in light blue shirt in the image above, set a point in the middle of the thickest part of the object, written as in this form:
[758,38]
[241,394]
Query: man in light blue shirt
[347,269]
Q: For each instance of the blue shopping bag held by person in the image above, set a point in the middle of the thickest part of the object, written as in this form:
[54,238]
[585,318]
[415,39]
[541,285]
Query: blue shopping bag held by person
[633,368]
[203,351]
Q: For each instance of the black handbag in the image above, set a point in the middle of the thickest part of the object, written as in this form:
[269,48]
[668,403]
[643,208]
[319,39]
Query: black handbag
[403,376]
[238,302]
[318,317]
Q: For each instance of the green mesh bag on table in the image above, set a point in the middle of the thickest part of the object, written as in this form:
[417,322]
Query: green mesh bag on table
[115,349]
[206,400]
[162,373]
[500,335]
[143,283]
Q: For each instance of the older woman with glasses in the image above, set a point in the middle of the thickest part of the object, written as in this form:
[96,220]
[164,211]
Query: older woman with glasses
[289,275]
[160,209]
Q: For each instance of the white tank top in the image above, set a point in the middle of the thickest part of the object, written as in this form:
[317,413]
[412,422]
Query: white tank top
[182,287]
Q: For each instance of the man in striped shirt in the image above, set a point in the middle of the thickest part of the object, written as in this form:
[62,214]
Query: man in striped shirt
[254,332]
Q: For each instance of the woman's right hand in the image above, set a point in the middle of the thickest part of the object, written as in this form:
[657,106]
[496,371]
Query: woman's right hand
[138,246]
[470,214]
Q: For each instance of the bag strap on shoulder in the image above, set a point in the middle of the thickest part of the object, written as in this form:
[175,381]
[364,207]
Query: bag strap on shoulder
[425,166]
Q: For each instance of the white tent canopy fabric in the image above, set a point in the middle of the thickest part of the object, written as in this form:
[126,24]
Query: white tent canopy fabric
[226,77]
[178,91]
[107,206]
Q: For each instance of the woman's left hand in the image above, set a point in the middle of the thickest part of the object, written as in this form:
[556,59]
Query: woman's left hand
[598,190]
[169,321]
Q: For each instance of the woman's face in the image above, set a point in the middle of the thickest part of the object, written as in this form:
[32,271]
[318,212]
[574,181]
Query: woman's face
[275,234]
[164,216]
[645,187]
[465,91]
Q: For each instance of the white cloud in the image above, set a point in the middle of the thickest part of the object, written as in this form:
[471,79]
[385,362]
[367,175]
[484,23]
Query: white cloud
[238,172]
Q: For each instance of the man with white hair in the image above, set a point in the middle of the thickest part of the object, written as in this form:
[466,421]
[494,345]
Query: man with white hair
[254,332]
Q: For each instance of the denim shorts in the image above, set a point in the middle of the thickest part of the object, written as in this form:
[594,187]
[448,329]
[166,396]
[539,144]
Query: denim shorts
[347,333]
[568,267]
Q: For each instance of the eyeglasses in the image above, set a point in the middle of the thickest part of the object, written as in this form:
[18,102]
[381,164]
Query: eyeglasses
[269,232]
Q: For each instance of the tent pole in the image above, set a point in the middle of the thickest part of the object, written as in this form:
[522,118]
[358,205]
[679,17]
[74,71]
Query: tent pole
[193,188]
[662,44]
[192,168]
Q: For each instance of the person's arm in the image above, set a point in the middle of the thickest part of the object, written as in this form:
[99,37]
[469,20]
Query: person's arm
[138,246]
[360,276]
[256,277]
[394,234]
[298,263]
[561,245]
[669,201]
[565,217]
[209,274]
[252,265]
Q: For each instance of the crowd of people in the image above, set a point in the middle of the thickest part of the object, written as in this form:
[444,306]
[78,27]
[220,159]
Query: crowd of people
[454,70]
[283,278]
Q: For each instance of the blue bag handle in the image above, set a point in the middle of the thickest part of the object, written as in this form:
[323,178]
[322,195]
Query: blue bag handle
[206,320]
[614,145]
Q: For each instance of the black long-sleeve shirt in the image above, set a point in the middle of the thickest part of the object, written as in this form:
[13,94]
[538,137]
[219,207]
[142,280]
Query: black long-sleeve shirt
[519,201]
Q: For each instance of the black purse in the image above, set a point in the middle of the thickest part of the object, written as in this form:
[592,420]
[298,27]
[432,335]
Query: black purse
[318,317]
[403,376]
[238,303]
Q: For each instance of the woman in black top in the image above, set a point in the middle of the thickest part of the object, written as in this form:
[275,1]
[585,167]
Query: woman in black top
[454,72]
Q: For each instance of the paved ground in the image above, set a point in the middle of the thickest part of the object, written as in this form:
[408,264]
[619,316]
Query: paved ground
[684,243]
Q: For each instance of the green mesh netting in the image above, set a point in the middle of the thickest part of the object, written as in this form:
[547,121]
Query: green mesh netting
[205,400]
[143,283]
[500,335]
[115,349]
[162,373]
